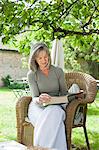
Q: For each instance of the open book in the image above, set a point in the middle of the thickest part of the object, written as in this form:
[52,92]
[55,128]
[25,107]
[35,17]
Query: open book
[60,99]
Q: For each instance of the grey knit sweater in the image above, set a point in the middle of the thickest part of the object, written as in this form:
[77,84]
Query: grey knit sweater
[53,84]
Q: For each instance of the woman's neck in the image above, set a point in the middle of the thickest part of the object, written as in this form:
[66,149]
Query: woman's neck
[45,71]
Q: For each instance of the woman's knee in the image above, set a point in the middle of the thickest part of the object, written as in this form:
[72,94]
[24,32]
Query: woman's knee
[56,110]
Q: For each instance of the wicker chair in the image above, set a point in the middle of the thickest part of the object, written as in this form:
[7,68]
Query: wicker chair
[86,82]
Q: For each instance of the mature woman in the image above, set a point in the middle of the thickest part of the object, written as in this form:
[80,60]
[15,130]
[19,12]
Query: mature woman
[46,81]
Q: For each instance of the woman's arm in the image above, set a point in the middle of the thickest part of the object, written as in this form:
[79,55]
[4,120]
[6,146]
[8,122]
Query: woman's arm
[62,82]
[33,86]
[62,85]
[36,96]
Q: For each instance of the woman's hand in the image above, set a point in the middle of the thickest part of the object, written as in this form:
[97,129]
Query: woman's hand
[44,98]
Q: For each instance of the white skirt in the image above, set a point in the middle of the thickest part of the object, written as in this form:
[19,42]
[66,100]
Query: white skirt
[49,126]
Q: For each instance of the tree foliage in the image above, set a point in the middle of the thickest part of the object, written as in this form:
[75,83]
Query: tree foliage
[76,21]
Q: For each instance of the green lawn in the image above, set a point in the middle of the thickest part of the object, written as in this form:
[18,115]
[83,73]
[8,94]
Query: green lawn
[7,115]
[8,121]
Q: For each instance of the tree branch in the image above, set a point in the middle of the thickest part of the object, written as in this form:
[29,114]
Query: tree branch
[65,32]
[28,30]
[33,3]
[90,19]
[96,8]
[70,32]
[68,9]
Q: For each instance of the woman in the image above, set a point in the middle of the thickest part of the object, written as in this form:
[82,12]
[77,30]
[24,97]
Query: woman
[46,81]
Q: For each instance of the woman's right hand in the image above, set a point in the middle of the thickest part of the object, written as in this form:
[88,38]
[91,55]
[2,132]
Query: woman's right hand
[44,98]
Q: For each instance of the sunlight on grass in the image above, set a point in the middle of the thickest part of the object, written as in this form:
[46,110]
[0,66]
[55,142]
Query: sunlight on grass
[4,89]
[7,115]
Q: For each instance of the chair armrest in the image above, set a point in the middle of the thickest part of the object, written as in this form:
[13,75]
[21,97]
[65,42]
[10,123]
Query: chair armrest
[73,105]
[21,113]
[71,109]
[70,113]
[22,107]
[86,83]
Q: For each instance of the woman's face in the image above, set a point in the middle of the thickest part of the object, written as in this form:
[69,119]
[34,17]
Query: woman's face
[42,59]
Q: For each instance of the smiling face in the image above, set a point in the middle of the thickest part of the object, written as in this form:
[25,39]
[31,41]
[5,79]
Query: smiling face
[42,59]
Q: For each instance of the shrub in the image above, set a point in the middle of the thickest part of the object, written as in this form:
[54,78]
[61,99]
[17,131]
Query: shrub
[6,80]
[13,84]
[16,85]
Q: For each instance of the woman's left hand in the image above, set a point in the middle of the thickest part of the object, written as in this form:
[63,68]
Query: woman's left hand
[44,98]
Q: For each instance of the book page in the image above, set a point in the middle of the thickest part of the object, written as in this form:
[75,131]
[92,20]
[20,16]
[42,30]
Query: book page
[57,100]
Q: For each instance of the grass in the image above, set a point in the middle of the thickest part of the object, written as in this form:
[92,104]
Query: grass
[4,89]
[8,121]
[7,115]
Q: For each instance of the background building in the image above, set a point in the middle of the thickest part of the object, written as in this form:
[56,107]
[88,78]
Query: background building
[11,64]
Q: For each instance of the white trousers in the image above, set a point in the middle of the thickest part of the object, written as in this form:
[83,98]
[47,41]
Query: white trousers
[49,126]
[48,121]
